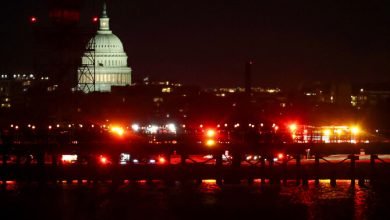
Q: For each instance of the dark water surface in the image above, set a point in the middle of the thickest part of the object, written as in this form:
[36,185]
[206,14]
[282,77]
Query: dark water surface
[141,200]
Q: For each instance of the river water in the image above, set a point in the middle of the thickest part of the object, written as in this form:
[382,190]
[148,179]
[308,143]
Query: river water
[143,200]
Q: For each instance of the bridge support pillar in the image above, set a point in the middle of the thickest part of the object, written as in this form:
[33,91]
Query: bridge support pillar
[333,181]
[18,159]
[169,158]
[353,165]
[5,158]
[361,182]
[298,169]
[218,164]
[305,181]
[317,169]
[272,175]
[285,171]
[3,177]
[373,157]
[262,176]
[183,158]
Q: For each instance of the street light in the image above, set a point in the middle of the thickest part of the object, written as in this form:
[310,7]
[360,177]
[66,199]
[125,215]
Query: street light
[293,127]
[355,130]
[117,130]
[210,137]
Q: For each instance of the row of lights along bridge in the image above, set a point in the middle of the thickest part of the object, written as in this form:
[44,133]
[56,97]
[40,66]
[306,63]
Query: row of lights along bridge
[288,133]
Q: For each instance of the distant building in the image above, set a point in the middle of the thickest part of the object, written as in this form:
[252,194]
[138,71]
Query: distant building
[14,87]
[341,93]
[371,95]
[104,62]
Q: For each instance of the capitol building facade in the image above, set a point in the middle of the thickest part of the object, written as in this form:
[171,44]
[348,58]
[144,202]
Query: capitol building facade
[104,63]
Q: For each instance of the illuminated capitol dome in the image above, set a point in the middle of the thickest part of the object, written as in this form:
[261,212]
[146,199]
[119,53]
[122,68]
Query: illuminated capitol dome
[105,59]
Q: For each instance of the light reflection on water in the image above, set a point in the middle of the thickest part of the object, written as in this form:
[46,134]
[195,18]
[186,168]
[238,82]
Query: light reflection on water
[154,199]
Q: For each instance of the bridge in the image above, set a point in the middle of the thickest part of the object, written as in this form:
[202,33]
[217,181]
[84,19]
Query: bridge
[187,161]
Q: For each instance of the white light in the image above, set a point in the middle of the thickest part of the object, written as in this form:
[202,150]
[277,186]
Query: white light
[152,129]
[135,127]
[69,158]
[124,158]
[152,161]
[209,156]
[171,127]
[135,161]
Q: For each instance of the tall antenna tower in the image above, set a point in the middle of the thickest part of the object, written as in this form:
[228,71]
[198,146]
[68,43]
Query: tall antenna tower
[86,80]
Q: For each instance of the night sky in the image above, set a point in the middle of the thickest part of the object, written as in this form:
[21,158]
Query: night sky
[208,42]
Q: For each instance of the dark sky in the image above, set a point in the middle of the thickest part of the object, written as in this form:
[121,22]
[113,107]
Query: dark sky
[208,42]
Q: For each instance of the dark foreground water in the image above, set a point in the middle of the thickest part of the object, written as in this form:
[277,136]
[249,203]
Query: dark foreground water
[141,200]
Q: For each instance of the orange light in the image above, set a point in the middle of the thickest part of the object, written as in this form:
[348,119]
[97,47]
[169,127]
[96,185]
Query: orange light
[210,142]
[327,132]
[209,181]
[210,133]
[293,127]
[118,130]
[162,160]
[355,130]
[280,156]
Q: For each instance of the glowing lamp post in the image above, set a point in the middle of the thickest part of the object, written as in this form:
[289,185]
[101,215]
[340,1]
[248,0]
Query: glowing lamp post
[293,128]
[210,137]
[326,136]
[354,134]
[119,131]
